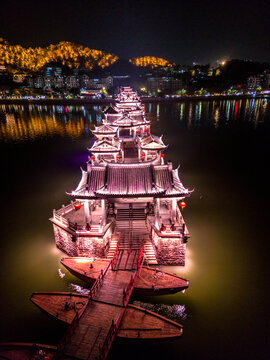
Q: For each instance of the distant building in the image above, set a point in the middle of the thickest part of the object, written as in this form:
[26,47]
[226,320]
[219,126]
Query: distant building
[48,83]
[19,78]
[72,82]
[84,81]
[102,83]
[267,78]
[39,82]
[52,71]
[59,82]
[163,84]
[30,82]
[256,81]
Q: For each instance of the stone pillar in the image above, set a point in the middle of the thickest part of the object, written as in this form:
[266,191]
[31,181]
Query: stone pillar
[173,211]
[87,211]
[103,211]
[157,212]
[146,152]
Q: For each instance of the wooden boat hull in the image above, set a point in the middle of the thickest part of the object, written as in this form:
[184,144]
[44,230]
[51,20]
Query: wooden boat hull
[150,282]
[26,351]
[137,323]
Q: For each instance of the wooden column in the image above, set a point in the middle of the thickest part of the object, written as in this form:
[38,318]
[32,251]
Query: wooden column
[173,211]
[87,211]
[157,212]
[103,211]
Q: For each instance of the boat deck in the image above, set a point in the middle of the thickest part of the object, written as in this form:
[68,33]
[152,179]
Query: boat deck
[149,282]
[136,323]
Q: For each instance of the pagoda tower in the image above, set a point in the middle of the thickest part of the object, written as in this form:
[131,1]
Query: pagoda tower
[127,195]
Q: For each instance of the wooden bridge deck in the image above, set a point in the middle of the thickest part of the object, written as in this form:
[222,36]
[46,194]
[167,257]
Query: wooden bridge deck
[90,336]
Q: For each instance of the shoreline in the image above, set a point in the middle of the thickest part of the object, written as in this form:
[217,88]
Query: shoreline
[82,102]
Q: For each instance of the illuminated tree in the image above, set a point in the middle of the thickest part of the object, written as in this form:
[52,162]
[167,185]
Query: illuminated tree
[18,58]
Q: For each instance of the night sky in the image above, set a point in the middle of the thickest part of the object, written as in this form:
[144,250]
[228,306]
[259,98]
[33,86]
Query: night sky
[180,31]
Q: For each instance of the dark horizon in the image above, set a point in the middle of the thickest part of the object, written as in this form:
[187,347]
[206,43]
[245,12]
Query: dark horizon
[180,32]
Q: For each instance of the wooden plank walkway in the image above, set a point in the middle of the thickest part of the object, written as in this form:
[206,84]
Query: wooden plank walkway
[127,259]
[92,332]
[89,336]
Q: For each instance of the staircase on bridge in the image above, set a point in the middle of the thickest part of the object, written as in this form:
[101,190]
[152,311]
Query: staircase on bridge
[132,229]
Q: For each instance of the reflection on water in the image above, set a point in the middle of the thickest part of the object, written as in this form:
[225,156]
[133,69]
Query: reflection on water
[216,112]
[19,123]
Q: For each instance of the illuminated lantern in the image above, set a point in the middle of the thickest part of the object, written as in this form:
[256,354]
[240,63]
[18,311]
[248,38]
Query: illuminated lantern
[93,157]
[118,157]
[182,204]
[162,155]
[77,206]
[145,130]
[143,154]
[138,131]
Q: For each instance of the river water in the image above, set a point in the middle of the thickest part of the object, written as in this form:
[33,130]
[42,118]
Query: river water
[223,149]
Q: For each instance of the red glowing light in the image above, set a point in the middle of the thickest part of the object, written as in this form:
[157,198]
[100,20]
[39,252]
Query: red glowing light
[143,154]
[92,157]
[77,206]
[182,204]
[118,157]
[162,155]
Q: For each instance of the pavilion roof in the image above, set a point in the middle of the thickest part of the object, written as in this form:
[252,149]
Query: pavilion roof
[111,110]
[130,180]
[105,146]
[127,180]
[128,121]
[152,142]
[104,129]
[169,180]
[90,182]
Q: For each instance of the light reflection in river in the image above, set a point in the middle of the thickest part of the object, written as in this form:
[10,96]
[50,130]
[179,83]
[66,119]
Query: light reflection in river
[19,123]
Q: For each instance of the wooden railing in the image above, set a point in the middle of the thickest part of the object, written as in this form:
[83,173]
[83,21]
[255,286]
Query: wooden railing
[127,292]
[64,209]
[78,314]
[140,256]
[114,259]
[98,282]
[61,345]
[104,350]
[90,227]
[115,326]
